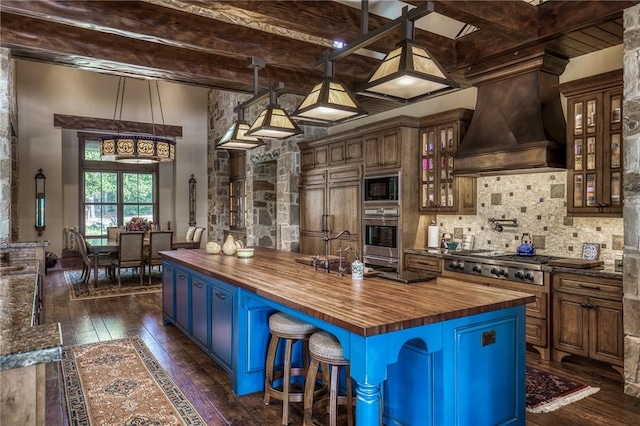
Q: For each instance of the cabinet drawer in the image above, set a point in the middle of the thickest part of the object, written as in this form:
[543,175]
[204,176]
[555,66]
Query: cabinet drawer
[536,331]
[315,177]
[588,286]
[539,307]
[345,174]
[423,263]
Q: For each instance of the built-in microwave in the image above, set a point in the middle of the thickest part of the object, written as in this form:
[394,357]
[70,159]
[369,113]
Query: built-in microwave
[381,189]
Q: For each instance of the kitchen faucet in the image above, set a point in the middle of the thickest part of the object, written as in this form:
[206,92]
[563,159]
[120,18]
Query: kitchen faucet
[328,238]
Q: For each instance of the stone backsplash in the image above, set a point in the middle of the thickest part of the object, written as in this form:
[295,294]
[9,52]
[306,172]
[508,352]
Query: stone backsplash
[538,202]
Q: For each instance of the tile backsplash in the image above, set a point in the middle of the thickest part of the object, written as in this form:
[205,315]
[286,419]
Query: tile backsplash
[538,202]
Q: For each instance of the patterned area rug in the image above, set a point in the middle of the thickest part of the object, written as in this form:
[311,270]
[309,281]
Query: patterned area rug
[547,392]
[120,382]
[106,288]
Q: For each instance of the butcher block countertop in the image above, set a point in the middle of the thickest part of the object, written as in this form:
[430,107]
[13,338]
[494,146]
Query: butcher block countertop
[368,307]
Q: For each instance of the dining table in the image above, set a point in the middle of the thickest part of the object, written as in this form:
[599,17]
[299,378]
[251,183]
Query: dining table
[98,245]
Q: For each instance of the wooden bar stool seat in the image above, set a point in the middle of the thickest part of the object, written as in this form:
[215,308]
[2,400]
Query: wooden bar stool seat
[325,350]
[291,330]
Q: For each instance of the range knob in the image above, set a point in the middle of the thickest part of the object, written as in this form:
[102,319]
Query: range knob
[519,274]
[461,265]
[494,271]
[529,276]
[503,272]
[477,268]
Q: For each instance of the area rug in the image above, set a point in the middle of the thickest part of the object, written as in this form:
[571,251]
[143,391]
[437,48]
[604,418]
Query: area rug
[547,392]
[130,284]
[119,382]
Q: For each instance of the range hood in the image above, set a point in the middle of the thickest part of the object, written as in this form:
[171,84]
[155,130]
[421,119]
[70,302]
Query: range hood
[518,125]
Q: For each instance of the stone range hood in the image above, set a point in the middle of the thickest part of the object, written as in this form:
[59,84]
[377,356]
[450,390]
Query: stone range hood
[518,125]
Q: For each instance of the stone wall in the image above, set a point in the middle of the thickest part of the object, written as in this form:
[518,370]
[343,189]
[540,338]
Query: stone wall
[631,213]
[7,151]
[273,218]
[538,202]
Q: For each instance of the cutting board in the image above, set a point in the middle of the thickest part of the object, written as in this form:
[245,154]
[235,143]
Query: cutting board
[576,263]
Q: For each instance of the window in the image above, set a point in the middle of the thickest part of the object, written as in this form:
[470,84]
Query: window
[112,193]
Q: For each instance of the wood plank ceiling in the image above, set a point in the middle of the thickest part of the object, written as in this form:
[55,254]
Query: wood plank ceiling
[207,43]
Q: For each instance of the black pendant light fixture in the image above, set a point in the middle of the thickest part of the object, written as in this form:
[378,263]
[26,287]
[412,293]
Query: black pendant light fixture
[134,148]
[274,121]
[409,71]
[329,100]
[236,136]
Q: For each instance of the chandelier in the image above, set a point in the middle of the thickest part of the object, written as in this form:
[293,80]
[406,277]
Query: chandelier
[134,148]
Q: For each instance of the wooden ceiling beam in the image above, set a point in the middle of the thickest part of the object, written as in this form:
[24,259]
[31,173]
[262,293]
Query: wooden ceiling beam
[108,51]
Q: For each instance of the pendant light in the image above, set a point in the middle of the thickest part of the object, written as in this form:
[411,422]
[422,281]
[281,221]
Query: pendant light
[329,100]
[408,72]
[236,136]
[136,149]
[274,121]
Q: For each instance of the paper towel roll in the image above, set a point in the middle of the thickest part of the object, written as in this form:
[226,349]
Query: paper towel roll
[433,236]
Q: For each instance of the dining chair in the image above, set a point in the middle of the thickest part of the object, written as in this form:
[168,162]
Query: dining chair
[158,241]
[113,232]
[197,236]
[88,259]
[129,253]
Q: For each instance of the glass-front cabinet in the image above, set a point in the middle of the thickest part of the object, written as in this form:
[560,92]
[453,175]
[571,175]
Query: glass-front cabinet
[440,190]
[594,145]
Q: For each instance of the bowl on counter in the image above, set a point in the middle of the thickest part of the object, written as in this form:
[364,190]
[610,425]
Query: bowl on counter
[452,245]
[245,252]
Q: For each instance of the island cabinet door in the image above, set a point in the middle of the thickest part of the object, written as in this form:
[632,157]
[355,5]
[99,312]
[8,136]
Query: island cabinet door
[199,322]
[221,347]
[168,294]
[182,299]
[484,363]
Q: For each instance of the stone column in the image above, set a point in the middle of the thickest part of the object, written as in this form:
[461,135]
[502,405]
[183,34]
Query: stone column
[8,148]
[631,212]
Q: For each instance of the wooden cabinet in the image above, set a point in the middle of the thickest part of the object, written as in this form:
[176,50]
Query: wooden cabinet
[349,151]
[422,263]
[382,150]
[594,145]
[314,157]
[587,318]
[441,192]
[337,193]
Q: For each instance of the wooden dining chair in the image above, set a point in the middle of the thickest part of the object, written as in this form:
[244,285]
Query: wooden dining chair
[158,241]
[130,253]
[87,258]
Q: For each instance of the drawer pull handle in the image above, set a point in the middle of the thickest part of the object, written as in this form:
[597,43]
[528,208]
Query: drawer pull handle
[221,296]
[182,277]
[199,285]
[592,287]
[422,262]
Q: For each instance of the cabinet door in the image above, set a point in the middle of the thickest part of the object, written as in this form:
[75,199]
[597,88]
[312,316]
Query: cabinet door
[307,159]
[606,336]
[353,150]
[337,154]
[371,151]
[199,321]
[312,207]
[612,164]
[344,209]
[570,324]
[390,154]
[168,293]
[182,299]
[222,324]
[312,244]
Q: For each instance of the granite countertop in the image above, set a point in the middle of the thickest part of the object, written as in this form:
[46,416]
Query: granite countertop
[21,343]
[606,271]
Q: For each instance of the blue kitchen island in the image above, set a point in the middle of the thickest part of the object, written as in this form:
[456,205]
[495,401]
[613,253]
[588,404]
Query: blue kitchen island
[441,352]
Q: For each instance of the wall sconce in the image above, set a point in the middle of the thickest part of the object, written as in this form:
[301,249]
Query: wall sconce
[40,224]
[192,201]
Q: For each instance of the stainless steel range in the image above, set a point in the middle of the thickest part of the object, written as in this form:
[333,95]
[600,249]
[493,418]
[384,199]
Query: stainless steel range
[497,264]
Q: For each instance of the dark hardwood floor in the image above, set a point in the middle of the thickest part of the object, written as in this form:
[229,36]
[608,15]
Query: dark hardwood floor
[208,387]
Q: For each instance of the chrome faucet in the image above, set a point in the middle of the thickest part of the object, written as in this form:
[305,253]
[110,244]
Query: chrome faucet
[328,238]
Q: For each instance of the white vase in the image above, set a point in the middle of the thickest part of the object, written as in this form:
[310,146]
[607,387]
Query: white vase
[229,246]
[212,247]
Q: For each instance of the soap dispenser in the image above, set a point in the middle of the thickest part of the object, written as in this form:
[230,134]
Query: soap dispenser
[357,269]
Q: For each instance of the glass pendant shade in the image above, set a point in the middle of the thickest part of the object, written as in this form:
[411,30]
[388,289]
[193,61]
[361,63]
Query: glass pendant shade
[236,137]
[408,72]
[274,122]
[329,100]
[137,149]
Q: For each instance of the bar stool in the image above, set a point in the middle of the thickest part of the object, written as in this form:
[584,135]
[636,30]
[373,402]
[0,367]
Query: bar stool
[283,326]
[325,350]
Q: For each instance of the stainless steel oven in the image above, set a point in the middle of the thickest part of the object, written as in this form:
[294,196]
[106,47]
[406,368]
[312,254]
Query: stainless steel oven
[381,237]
